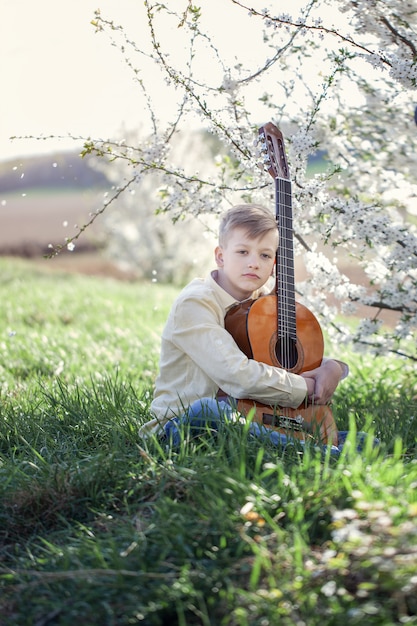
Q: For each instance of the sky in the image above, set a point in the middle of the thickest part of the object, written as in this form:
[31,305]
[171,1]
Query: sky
[59,77]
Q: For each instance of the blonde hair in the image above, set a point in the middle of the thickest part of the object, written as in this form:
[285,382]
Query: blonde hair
[254,218]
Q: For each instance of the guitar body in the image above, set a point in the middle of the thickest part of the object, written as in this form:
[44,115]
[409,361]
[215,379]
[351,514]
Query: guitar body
[312,422]
[253,325]
[277,330]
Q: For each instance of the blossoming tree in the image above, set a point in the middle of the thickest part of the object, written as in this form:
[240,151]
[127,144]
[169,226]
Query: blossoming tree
[339,78]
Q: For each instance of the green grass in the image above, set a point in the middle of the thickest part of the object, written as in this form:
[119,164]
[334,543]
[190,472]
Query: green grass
[99,528]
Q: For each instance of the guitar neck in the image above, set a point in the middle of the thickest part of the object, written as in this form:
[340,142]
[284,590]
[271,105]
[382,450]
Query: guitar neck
[285,278]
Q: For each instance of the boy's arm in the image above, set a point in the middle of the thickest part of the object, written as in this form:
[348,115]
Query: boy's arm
[198,333]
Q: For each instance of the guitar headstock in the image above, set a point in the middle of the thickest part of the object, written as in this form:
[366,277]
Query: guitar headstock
[273,150]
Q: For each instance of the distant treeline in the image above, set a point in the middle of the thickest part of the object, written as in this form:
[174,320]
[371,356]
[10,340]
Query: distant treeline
[68,170]
[60,170]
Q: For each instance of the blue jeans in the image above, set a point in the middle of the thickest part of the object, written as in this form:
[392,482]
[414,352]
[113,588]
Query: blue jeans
[209,414]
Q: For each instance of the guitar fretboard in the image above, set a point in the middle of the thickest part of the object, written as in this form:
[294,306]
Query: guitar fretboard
[285,282]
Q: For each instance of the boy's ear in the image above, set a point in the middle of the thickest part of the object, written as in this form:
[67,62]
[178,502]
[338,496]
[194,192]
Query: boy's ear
[273,267]
[218,255]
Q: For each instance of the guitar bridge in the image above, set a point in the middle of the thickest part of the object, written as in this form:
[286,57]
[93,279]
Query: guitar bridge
[284,421]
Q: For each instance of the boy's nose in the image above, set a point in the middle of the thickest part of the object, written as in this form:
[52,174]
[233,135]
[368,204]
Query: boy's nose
[253,261]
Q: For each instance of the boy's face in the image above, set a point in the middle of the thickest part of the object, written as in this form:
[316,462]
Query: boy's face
[245,264]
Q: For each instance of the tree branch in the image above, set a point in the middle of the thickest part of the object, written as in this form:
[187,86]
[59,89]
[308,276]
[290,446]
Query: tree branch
[312,27]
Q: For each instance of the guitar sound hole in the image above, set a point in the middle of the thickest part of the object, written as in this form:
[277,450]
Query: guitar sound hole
[286,352]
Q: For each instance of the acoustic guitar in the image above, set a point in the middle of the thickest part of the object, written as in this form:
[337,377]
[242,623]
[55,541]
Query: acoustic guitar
[275,329]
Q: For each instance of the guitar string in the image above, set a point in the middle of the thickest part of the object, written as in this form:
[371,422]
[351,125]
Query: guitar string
[285,272]
[286,285]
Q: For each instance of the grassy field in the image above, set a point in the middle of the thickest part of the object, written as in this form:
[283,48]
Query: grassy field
[99,528]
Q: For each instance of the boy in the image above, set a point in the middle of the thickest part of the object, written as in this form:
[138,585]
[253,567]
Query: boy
[199,357]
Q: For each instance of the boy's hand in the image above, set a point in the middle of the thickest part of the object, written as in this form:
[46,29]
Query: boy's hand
[322,381]
[310,382]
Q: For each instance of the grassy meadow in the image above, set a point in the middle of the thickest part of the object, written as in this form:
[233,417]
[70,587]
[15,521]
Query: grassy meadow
[100,528]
